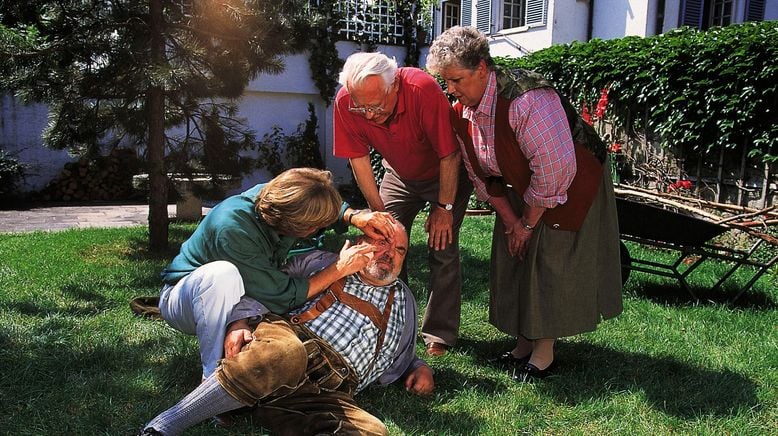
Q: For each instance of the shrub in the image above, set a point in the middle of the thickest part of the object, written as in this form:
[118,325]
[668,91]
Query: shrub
[11,173]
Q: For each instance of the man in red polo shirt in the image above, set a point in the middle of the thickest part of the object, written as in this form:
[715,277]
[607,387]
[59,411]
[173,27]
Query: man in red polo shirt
[405,116]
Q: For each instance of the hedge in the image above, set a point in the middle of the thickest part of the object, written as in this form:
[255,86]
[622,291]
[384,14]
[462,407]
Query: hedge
[697,90]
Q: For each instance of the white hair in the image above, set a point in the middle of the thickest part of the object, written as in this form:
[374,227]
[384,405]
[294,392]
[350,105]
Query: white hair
[360,66]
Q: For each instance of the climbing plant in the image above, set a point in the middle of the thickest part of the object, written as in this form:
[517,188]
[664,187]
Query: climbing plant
[697,90]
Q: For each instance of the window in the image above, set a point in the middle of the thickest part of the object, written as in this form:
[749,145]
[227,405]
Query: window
[521,13]
[467,12]
[703,14]
[513,14]
[720,13]
[376,21]
[451,13]
[755,10]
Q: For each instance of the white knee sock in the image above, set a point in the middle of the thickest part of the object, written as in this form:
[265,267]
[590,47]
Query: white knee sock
[207,400]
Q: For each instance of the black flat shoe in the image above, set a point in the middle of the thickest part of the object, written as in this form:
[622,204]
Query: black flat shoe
[507,360]
[530,372]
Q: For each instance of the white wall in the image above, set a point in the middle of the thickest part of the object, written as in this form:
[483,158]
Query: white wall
[514,43]
[569,20]
[620,18]
[269,100]
[771,10]
[282,100]
[20,135]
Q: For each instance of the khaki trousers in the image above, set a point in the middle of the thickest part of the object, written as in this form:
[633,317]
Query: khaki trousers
[404,199]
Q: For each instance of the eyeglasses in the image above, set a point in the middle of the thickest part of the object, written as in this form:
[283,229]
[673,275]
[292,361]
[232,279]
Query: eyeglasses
[376,109]
[364,110]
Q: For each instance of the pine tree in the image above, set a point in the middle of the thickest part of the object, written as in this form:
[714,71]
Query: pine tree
[131,72]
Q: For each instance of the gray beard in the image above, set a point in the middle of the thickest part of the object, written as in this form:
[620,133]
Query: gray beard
[380,274]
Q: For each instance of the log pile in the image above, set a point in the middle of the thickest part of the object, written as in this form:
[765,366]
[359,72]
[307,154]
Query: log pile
[756,222]
[106,178]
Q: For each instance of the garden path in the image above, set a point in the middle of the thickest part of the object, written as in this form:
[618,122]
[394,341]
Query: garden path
[54,218]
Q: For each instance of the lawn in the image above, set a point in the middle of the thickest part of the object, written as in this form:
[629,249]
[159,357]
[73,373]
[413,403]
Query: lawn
[75,360]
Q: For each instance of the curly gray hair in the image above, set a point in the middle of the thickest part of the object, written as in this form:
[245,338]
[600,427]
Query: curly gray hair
[459,47]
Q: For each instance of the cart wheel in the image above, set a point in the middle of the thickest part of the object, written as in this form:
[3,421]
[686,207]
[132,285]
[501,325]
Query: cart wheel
[626,261]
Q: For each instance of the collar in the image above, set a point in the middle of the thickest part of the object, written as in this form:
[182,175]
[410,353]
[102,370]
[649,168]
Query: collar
[488,104]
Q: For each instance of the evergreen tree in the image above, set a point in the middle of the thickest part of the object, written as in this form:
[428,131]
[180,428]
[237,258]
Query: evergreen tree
[160,75]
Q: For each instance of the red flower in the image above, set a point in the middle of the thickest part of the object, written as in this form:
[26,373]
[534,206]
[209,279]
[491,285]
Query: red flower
[602,104]
[615,148]
[680,185]
[585,113]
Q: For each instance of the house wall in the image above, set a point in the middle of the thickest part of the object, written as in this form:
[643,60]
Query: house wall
[771,10]
[568,20]
[282,100]
[619,18]
[672,15]
[270,100]
[21,127]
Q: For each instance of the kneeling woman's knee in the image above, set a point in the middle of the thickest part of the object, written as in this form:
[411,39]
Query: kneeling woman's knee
[221,275]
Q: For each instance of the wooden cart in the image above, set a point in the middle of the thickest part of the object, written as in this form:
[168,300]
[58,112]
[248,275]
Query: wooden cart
[692,240]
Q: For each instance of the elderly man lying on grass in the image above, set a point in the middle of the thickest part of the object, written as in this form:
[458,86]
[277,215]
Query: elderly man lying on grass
[301,372]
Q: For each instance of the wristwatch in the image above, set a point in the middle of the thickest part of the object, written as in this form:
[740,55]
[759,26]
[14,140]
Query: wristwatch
[447,206]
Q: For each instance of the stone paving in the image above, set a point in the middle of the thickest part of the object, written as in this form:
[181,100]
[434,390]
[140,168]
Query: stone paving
[47,218]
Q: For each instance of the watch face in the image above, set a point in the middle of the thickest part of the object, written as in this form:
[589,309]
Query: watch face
[449,206]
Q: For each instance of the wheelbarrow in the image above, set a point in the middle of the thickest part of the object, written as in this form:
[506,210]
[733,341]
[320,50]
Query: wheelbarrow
[689,238]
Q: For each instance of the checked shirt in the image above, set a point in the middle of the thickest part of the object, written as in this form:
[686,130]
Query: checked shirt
[543,133]
[354,336]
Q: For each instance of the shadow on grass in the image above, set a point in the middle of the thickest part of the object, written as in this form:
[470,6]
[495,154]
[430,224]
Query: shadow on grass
[589,371]
[89,389]
[671,294]
[177,234]
[415,415]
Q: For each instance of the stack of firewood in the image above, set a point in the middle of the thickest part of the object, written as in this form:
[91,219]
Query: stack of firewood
[106,178]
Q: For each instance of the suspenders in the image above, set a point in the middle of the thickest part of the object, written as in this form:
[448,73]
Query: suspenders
[336,293]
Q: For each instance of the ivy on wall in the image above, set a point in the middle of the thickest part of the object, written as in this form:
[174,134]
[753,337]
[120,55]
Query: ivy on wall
[698,90]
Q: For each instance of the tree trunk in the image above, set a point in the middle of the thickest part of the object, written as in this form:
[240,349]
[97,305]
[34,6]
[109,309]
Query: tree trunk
[155,107]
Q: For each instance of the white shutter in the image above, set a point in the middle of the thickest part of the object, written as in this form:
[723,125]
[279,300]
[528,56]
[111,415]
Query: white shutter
[691,13]
[483,16]
[467,12]
[536,12]
[755,10]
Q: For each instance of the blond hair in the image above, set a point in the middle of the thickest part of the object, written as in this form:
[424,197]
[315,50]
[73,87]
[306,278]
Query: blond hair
[299,200]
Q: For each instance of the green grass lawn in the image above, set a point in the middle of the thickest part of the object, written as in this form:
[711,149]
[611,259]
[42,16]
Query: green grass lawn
[75,360]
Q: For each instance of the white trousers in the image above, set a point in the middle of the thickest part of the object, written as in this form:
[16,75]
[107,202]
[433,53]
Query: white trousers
[200,303]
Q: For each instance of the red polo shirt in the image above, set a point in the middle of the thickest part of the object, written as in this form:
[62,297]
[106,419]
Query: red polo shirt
[417,137]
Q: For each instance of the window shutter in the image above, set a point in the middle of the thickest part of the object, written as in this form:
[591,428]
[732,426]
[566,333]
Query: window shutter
[483,16]
[755,10]
[467,12]
[691,13]
[536,12]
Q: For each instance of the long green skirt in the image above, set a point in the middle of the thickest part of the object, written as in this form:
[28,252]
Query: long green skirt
[567,282]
